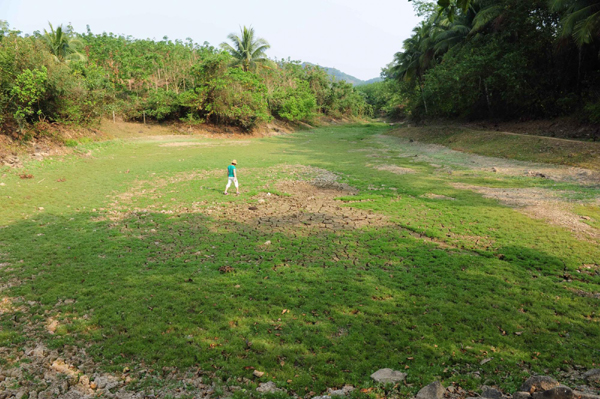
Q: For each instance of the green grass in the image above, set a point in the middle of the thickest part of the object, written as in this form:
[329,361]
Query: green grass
[506,145]
[148,290]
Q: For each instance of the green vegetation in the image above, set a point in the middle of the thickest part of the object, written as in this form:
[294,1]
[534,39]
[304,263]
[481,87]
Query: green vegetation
[69,78]
[503,59]
[507,145]
[248,51]
[125,250]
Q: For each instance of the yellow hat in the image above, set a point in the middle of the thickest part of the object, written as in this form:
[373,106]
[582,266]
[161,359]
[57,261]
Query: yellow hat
[234,162]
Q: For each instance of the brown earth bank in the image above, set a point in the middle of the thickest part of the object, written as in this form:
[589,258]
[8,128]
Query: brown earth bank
[566,127]
[48,139]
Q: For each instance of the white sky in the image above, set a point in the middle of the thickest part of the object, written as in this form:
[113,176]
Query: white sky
[355,36]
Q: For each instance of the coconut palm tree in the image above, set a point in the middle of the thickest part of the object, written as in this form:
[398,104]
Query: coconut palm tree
[581,21]
[452,8]
[247,51]
[419,55]
[62,45]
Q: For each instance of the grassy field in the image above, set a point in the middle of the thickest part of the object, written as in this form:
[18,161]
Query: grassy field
[508,145]
[386,261]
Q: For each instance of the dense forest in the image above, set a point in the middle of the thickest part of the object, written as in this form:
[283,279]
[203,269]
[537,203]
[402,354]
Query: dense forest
[60,76]
[496,59]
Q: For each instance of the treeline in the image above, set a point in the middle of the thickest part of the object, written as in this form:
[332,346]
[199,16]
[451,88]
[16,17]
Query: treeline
[64,77]
[500,59]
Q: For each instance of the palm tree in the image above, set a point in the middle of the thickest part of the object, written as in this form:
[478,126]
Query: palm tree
[581,21]
[453,7]
[419,55]
[247,51]
[62,45]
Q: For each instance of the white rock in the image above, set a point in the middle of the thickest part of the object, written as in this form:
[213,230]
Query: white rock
[268,387]
[388,376]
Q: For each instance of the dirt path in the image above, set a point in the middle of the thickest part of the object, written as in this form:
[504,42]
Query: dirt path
[439,155]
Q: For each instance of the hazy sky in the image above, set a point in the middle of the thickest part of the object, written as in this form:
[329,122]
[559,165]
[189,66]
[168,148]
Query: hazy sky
[358,37]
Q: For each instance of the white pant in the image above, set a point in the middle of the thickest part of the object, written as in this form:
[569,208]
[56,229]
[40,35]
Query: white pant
[231,180]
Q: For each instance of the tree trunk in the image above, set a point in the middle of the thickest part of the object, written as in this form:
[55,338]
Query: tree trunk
[422,94]
[487,97]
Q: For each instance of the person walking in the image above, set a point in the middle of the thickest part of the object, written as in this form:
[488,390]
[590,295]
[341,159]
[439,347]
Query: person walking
[232,178]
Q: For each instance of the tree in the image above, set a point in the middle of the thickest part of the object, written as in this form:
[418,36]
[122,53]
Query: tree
[247,51]
[62,45]
[581,20]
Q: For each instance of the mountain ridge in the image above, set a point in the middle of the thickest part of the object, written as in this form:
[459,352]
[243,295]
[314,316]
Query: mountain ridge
[339,75]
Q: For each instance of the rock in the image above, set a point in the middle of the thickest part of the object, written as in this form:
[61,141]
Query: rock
[538,383]
[435,390]
[345,391]
[73,394]
[489,392]
[322,397]
[388,376]
[47,394]
[521,395]
[258,374]
[584,395]
[268,387]
[560,392]
[592,375]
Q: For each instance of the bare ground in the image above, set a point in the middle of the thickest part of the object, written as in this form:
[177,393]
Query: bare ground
[539,204]
[444,157]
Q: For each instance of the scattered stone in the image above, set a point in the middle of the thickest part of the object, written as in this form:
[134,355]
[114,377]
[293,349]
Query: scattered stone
[268,242]
[491,393]
[560,392]
[584,395]
[592,375]
[538,383]
[435,390]
[268,387]
[345,391]
[521,395]
[388,376]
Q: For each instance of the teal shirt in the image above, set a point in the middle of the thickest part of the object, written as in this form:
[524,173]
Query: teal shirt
[230,170]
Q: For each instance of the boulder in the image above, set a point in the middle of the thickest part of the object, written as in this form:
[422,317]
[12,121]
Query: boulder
[388,376]
[592,375]
[560,392]
[491,393]
[538,383]
[435,390]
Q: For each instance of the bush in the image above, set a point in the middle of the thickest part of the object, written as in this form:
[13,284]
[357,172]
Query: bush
[296,103]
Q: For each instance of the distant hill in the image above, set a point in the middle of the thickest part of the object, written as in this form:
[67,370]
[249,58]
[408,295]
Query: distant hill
[339,75]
